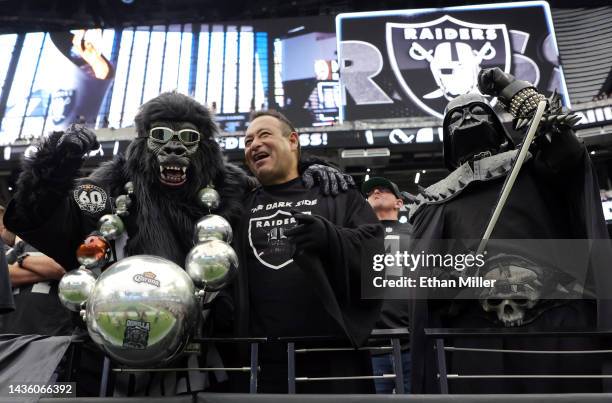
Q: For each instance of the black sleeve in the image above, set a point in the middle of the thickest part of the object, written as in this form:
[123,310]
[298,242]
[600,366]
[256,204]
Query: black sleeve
[354,237]
[562,153]
[60,233]
[6,294]
[360,237]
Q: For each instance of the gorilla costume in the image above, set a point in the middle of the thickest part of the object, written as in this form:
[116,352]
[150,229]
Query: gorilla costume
[55,216]
[174,156]
[555,196]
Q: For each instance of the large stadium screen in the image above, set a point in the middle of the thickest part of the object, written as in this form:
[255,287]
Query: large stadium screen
[306,75]
[7,46]
[57,78]
[101,77]
[395,64]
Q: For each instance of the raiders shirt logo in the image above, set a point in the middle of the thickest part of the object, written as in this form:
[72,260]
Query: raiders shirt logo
[90,198]
[268,240]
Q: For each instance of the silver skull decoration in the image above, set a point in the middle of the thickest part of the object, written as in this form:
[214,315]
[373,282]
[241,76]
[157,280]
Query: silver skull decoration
[516,292]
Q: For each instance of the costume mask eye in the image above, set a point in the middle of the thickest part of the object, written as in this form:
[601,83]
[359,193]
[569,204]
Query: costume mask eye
[479,113]
[164,134]
[455,117]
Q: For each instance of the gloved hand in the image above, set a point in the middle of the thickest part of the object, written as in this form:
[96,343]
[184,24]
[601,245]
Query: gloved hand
[508,89]
[330,179]
[77,141]
[310,234]
[493,81]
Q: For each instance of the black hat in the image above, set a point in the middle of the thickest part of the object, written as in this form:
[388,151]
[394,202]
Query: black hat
[380,181]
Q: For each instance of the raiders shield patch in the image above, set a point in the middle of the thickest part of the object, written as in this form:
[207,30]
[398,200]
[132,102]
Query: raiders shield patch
[90,198]
[437,61]
[268,240]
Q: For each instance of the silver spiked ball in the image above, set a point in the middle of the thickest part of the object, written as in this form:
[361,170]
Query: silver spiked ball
[209,197]
[142,311]
[211,264]
[75,287]
[212,226]
[111,226]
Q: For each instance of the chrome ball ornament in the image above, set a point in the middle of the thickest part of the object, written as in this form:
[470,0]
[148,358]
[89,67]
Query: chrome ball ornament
[211,264]
[75,288]
[209,197]
[111,226]
[142,310]
[212,226]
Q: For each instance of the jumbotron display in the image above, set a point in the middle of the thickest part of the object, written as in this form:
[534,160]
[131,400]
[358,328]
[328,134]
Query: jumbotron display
[100,77]
[413,62]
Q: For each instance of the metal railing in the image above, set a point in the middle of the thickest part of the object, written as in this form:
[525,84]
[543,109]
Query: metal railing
[441,336]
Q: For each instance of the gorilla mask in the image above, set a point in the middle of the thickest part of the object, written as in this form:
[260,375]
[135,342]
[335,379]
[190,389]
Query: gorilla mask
[177,142]
[471,128]
[173,143]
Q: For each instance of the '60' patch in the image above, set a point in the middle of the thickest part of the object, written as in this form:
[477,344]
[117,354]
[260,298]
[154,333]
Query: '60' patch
[90,198]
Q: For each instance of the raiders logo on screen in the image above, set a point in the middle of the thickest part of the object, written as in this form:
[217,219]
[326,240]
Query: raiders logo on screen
[436,61]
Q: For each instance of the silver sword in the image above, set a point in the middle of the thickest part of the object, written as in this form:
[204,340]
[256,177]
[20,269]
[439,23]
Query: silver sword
[516,167]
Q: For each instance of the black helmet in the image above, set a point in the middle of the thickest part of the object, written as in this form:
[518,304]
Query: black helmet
[503,139]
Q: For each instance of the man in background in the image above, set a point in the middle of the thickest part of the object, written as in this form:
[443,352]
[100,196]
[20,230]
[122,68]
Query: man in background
[6,296]
[386,201]
[34,278]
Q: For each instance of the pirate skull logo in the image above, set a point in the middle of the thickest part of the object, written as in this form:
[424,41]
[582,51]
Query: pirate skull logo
[516,292]
[439,60]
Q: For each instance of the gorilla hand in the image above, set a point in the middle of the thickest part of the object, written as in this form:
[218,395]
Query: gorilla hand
[330,180]
[77,141]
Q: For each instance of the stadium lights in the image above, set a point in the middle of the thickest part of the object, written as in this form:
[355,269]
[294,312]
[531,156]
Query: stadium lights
[417,177]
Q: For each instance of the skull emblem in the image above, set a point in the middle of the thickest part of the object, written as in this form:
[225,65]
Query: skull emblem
[517,290]
[455,68]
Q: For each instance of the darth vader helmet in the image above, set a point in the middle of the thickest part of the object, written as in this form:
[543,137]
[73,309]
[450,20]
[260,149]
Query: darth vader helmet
[471,127]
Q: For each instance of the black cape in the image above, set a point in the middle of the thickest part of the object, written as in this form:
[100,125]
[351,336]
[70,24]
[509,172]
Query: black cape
[556,196]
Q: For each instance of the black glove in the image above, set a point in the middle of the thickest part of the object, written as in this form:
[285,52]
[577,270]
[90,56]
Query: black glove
[496,83]
[77,141]
[492,81]
[310,234]
[330,180]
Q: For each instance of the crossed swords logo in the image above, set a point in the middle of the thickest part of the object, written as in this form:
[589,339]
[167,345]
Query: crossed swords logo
[452,76]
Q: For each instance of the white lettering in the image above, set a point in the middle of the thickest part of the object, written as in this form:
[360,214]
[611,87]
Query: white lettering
[410,33]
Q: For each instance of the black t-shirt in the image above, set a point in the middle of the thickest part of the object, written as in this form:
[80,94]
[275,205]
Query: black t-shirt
[395,312]
[6,295]
[282,300]
[38,309]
